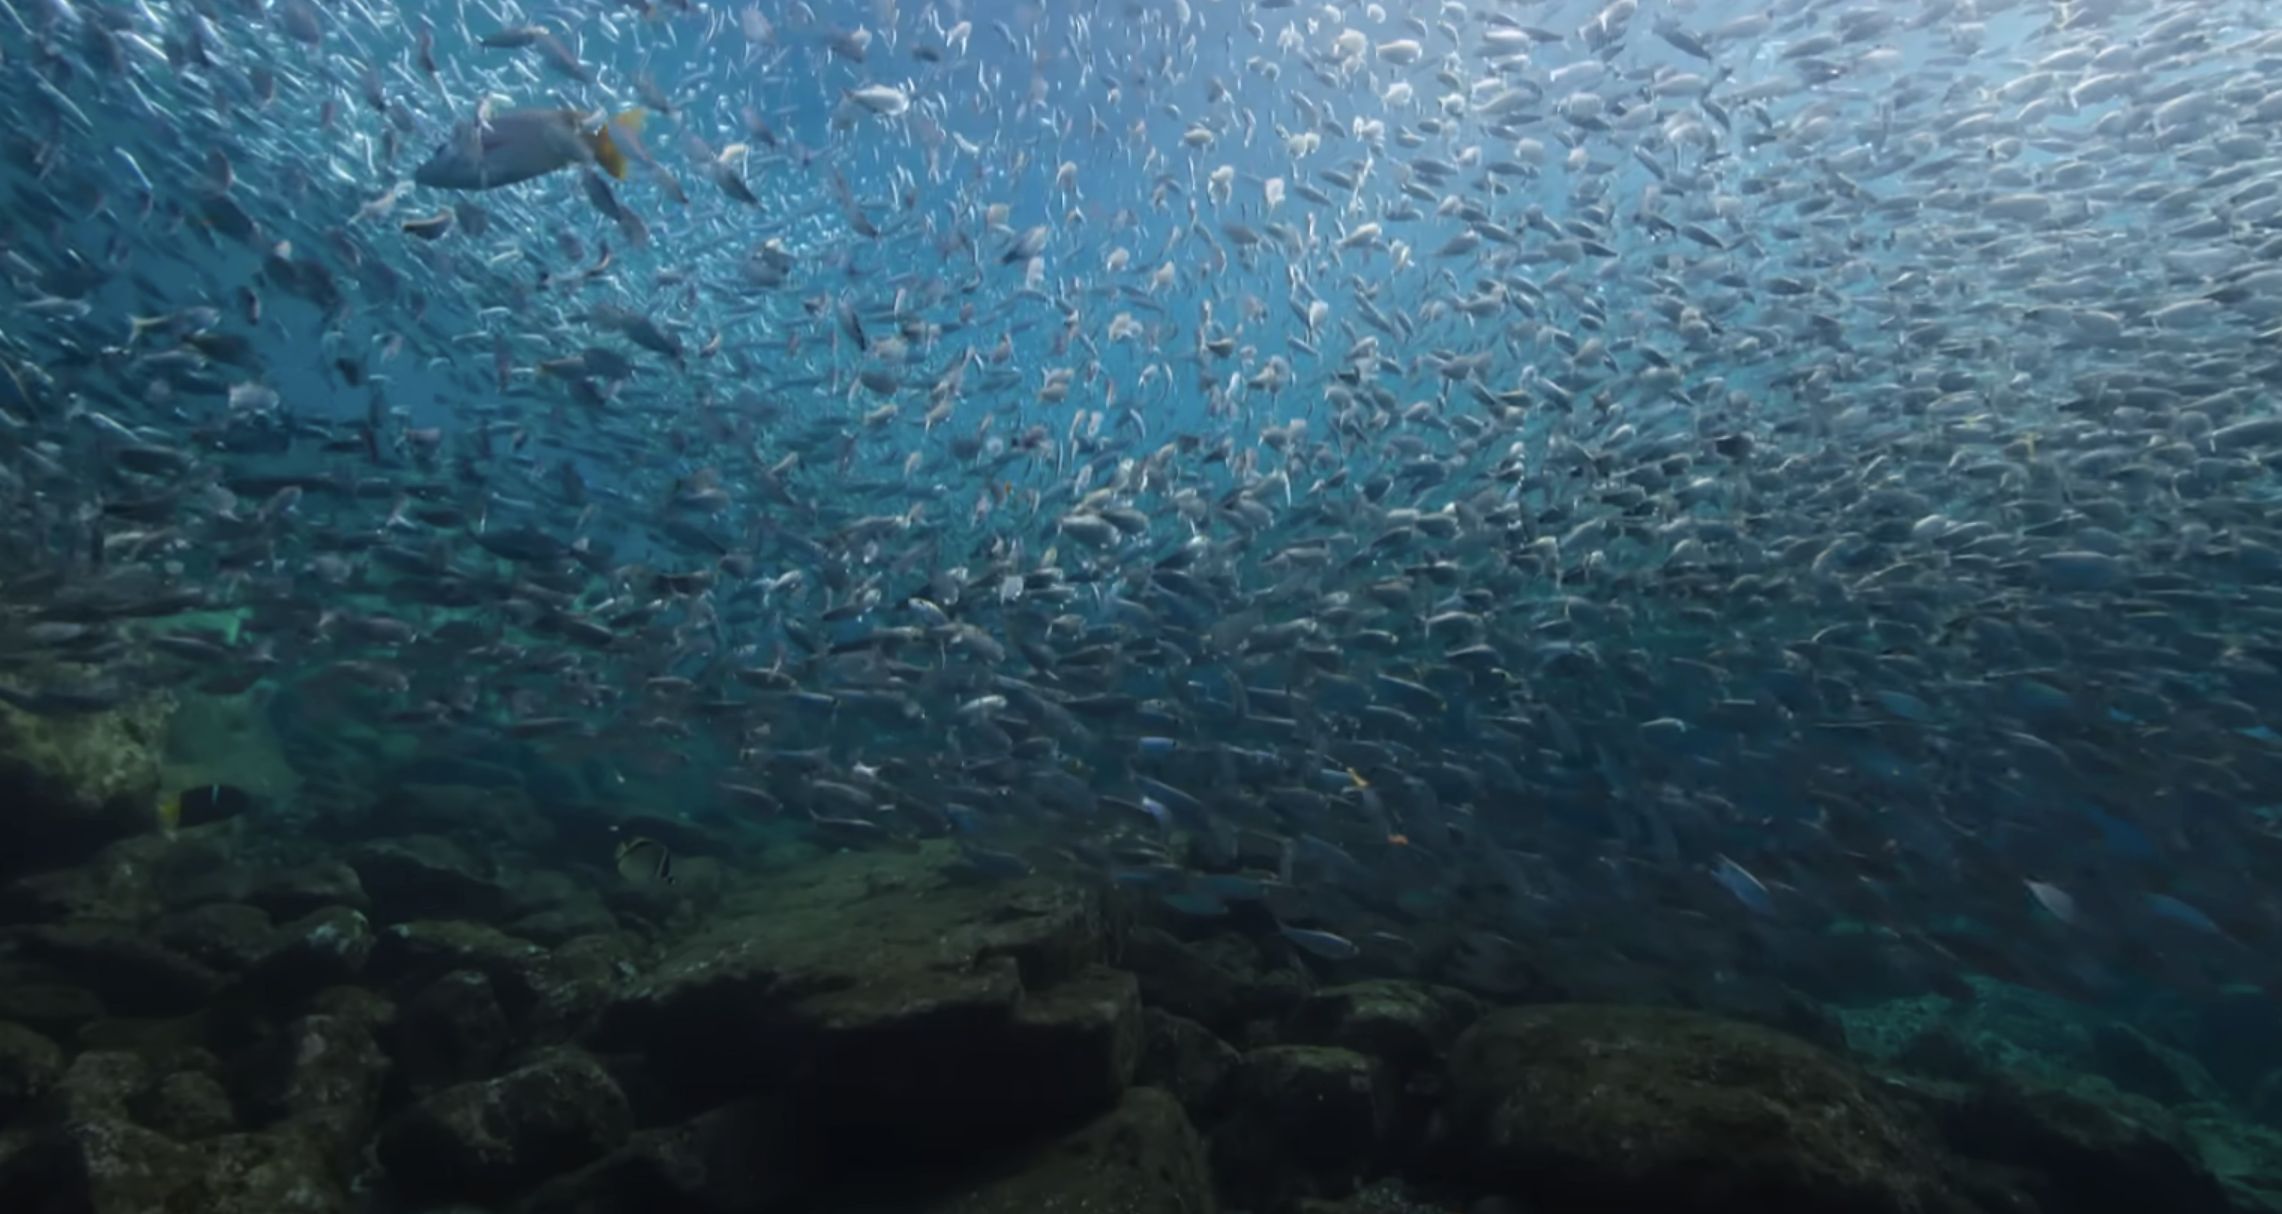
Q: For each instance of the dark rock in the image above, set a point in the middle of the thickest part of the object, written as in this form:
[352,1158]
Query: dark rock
[1303,1121]
[186,1105]
[1142,1157]
[450,1032]
[322,1073]
[93,1166]
[489,1140]
[132,974]
[78,781]
[573,982]
[198,867]
[1392,1197]
[899,1002]
[323,948]
[425,877]
[1772,1005]
[1407,1024]
[561,924]
[284,1171]
[733,1160]
[409,956]
[289,893]
[115,1167]
[229,936]
[1219,983]
[2137,1064]
[1085,1031]
[54,1008]
[114,886]
[2089,1151]
[1184,1058]
[30,1065]
[2238,1035]
[1589,1108]
[101,1085]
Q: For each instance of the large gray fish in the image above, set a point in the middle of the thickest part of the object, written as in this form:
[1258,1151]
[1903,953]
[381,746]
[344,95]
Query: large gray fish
[515,146]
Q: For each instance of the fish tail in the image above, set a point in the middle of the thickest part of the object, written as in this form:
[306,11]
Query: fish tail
[607,153]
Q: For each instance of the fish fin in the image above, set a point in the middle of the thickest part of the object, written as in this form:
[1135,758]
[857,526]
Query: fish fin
[607,153]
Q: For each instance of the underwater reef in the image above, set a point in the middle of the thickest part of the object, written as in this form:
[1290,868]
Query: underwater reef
[448,1005]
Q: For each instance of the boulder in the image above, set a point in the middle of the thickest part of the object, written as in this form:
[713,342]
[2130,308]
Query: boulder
[450,1032]
[736,1159]
[133,974]
[1222,983]
[913,1015]
[289,893]
[490,1140]
[573,982]
[77,781]
[408,956]
[1406,1024]
[1185,1059]
[226,936]
[2012,1032]
[39,1001]
[30,1065]
[1301,1121]
[324,948]
[2087,1149]
[186,1106]
[116,1167]
[114,885]
[1141,1157]
[284,1171]
[322,1073]
[1570,1107]
[426,877]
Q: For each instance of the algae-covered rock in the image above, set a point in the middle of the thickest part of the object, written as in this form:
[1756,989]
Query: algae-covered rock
[227,936]
[2085,1149]
[185,1106]
[282,1171]
[1184,1058]
[1142,1157]
[77,781]
[30,1064]
[322,1072]
[38,1000]
[114,885]
[289,893]
[1587,1108]
[1302,1120]
[914,1014]
[1404,1023]
[408,956]
[736,1159]
[133,974]
[2006,1030]
[1222,983]
[115,1167]
[491,1139]
[451,1031]
[426,877]
[323,948]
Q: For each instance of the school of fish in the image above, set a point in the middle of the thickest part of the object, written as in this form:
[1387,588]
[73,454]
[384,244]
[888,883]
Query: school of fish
[1713,489]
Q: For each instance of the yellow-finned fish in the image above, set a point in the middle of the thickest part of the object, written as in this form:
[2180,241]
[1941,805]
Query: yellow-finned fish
[202,805]
[517,145]
[646,860]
